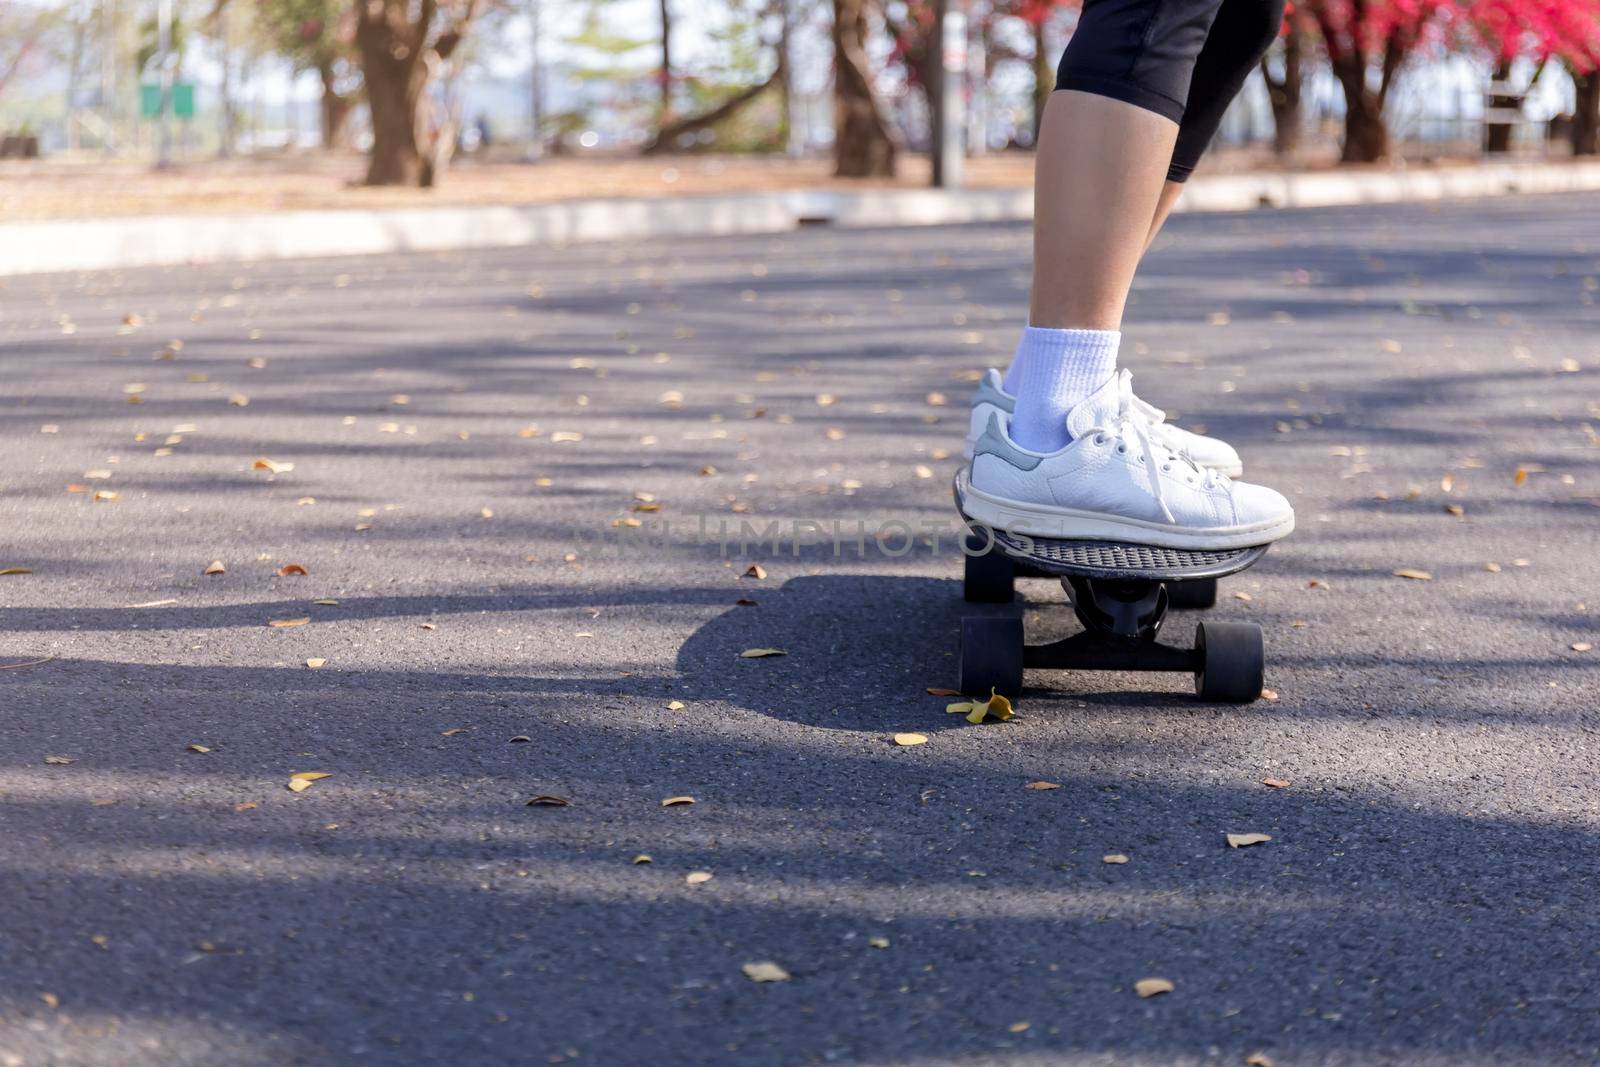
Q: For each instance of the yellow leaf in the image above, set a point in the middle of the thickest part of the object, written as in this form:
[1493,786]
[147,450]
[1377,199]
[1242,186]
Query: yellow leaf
[1115,857]
[198,748]
[1269,694]
[290,569]
[1520,477]
[907,740]
[60,761]
[300,781]
[106,496]
[1042,785]
[284,624]
[643,857]
[1275,783]
[239,400]
[17,570]
[672,802]
[1258,1059]
[765,971]
[1152,987]
[997,707]
[215,567]
[265,464]
[923,471]
[675,705]
[1244,840]
[563,437]
[878,942]
[1017,1028]
[486,512]
[547,801]
[453,731]
[316,663]
[697,877]
[755,571]
[1581,646]
[1414,575]
[758,653]
[326,603]
[941,691]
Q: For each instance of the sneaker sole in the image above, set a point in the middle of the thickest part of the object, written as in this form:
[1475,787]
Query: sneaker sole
[1069,524]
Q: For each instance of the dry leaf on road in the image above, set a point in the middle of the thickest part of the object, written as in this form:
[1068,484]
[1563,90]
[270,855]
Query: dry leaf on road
[196,748]
[758,653]
[1414,575]
[765,971]
[1276,783]
[544,800]
[1042,785]
[908,740]
[215,567]
[285,624]
[697,877]
[1244,840]
[1152,987]
[300,781]
[290,569]
[673,802]
[996,707]
[1114,858]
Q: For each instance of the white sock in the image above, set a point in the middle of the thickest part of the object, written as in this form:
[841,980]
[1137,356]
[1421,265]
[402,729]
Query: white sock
[1059,368]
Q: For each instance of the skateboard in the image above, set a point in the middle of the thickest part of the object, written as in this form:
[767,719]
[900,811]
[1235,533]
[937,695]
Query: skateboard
[1120,593]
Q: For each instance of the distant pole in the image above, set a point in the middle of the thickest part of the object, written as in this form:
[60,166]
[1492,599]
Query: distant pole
[950,48]
[164,50]
[535,103]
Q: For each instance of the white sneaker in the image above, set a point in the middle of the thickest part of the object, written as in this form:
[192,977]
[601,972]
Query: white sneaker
[992,399]
[1116,482]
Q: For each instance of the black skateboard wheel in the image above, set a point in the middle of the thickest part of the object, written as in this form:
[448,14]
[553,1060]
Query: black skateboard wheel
[1231,662]
[1194,593]
[991,656]
[990,576]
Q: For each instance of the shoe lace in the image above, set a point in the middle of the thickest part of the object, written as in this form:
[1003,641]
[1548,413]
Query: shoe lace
[1132,425]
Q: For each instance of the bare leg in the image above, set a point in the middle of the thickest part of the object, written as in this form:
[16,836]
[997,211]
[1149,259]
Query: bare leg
[1169,200]
[1098,185]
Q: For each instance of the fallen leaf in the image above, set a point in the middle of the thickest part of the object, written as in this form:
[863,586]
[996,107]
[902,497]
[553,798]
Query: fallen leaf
[284,624]
[1414,575]
[17,570]
[326,603]
[643,857]
[1114,858]
[1492,567]
[54,1001]
[996,707]
[755,571]
[1042,785]
[198,748]
[1245,840]
[1455,509]
[1017,1028]
[923,471]
[765,971]
[248,805]
[520,739]
[239,400]
[940,691]
[758,653]
[1243,596]
[454,730]
[908,740]
[1318,583]
[106,496]
[565,437]
[215,567]
[300,781]
[1269,694]
[289,569]
[486,513]
[265,464]
[1258,1059]
[675,705]
[672,802]
[1581,646]
[60,761]
[1152,987]
[1520,477]
[316,663]
[153,604]
[546,801]
[878,942]
[697,877]
[1276,783]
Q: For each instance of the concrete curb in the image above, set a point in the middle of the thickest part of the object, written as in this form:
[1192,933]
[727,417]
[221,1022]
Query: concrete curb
[143,241]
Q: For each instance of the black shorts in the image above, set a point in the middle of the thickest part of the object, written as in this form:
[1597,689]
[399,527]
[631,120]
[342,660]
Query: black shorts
[1183,59]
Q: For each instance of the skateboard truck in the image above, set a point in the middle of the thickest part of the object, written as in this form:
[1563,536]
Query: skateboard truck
[1120,593]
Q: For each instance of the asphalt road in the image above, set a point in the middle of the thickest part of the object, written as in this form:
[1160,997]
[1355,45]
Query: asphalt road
[492,630]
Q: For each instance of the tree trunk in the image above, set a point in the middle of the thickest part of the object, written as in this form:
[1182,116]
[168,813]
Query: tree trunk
[1586,115]
[666,63]
[1497,132]
[1044,77]
[665,141]
[1366,133]
[863,147]
[1287,94]
[335,108]
[396,77]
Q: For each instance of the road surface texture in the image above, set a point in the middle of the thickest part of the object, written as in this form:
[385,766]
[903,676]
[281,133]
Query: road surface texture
[489,629]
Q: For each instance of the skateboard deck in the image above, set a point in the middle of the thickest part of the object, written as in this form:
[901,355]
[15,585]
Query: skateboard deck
[1120,592]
